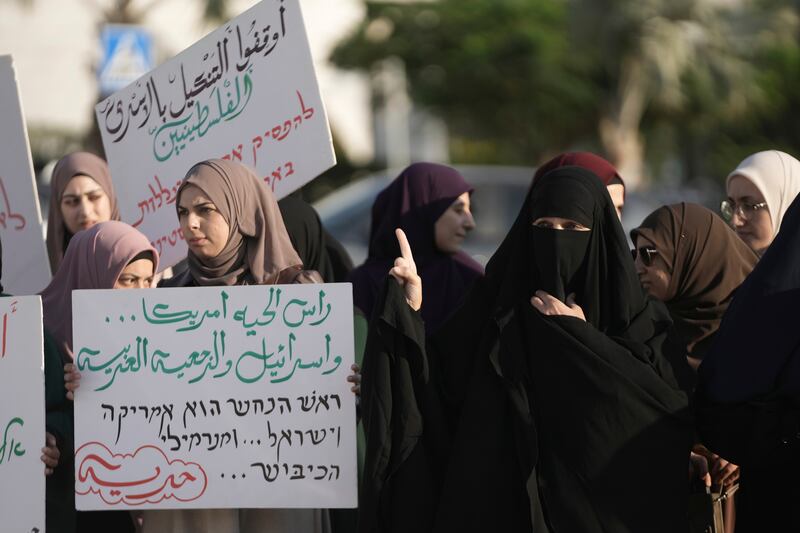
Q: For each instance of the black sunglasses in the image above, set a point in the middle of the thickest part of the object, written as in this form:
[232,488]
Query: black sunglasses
[647,254]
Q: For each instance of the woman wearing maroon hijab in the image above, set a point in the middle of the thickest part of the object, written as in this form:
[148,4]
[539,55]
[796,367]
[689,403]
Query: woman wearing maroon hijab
[602,168]
[430,203]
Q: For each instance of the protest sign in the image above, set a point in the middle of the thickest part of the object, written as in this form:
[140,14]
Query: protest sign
[246,92]
[21,414]
[218,397]
[26,269]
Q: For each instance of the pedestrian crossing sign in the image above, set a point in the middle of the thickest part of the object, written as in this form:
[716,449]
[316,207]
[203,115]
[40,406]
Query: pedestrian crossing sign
[127,55]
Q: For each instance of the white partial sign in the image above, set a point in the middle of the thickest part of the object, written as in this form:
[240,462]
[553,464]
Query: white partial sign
[21,414]
[246,92]
[229,397]
[26,269]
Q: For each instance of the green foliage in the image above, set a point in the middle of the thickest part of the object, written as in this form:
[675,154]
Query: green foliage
[516,80]
[501,73]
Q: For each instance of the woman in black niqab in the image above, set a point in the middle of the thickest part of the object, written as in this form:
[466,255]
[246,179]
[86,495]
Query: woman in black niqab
[523,418]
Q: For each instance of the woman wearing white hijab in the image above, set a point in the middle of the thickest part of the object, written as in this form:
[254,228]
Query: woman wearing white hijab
[760,191]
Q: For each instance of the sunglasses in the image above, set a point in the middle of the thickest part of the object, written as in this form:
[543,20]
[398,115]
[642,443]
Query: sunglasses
[647,253]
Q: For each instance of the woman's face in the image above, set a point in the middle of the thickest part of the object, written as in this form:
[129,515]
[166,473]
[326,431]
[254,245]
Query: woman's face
[204,228]
[617,193]
[559,224]
[84,203]
[651,269]
[755,228]
[452,227]
[136,275]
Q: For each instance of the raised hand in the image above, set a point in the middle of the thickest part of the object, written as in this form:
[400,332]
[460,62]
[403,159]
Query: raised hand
[405,272]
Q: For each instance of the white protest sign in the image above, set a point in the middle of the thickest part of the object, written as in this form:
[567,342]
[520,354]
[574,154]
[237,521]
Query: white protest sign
[223,397]
[21,414]
[26,269]
[246,92]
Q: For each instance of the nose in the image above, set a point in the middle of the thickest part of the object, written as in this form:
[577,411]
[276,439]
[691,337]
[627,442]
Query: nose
[193,221]
[85,206]
[737,221]
[640,268]
[469,221]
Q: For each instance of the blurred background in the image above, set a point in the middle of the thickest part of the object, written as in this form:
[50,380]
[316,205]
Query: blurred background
[675,93]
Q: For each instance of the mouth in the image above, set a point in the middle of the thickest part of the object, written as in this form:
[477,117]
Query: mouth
[87,224]
[196,241]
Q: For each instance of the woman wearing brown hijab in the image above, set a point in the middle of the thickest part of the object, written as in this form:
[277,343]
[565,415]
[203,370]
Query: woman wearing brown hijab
[687,257]
[236,236]
[82,195]
[234,230]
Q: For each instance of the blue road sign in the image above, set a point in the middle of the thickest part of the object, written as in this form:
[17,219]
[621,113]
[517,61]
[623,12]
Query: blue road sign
[127,55]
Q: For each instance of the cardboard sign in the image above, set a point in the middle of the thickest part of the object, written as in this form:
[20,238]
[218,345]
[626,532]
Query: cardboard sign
[26,269]
[246,92]
[223,397]
[22,425]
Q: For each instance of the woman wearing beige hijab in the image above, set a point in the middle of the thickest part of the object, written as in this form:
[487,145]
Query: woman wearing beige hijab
[236,236]
[760,191]
[81,196]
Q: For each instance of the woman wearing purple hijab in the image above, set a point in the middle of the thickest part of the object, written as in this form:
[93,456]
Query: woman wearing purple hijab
[431,204]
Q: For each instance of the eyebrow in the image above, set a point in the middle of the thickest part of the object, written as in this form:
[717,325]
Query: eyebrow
[745,198]
[87,193]
[180,206]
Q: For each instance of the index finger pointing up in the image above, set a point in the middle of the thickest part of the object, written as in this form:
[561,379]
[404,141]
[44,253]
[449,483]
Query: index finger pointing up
[405,248]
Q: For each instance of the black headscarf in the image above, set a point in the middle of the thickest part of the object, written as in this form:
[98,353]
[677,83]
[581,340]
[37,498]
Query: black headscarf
[748,392]
[757,350]
[307,235]
[341,262]
[546,421]
[596,265]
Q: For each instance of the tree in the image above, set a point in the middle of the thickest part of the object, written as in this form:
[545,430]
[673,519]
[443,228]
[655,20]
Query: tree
[665,56]
[517,80]
[501,73]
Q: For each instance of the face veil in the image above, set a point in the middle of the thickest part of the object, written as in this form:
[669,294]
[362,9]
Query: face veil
[595,265]
[559,257]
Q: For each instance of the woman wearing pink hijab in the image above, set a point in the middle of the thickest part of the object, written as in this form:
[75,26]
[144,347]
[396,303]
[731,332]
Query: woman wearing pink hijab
[109,255]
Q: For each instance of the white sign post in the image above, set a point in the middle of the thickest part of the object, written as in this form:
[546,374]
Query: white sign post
[26,269]
[22,505]
[223,397]
[246,92]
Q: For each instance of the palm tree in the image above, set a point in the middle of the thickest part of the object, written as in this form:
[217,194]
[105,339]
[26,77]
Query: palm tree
[647,48]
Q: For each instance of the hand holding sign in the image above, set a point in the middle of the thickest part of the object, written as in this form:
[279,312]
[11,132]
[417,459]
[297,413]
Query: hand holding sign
[72,380]
[50,454]
[405,272]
